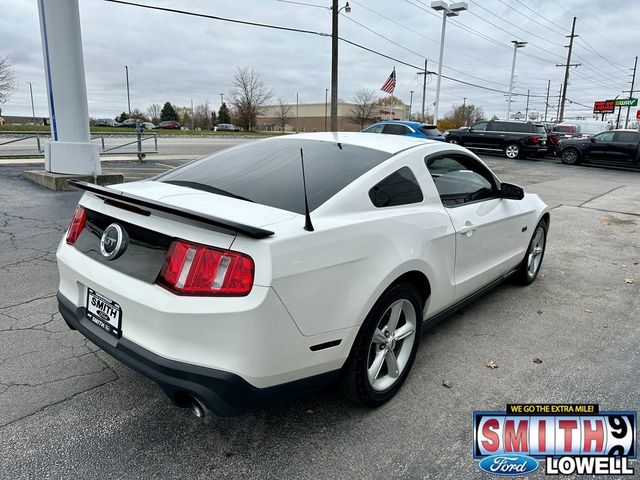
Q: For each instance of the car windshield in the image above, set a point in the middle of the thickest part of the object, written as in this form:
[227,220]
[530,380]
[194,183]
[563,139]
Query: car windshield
[270,172]
[430,130]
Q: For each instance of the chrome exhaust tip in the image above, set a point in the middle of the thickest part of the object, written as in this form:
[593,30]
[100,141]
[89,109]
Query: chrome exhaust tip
[197,409]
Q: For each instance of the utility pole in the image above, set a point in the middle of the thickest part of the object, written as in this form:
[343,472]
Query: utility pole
[126,72]
[424,88]
[526,111]
[633,81]
[546,103]
[516,46]
[33,110]
[464,110]
[410,103]
[326,97]
[567,65]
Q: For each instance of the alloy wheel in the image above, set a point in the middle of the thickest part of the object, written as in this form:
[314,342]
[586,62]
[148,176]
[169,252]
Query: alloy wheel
[512,151]
[391,345]
[536,250]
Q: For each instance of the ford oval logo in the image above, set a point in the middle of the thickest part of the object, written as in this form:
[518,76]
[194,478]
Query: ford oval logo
[508,464]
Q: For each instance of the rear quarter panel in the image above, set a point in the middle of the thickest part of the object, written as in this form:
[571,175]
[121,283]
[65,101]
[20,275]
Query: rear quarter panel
[329,279]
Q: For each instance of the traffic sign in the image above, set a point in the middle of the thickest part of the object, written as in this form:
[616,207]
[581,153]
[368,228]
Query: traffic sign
[638,114]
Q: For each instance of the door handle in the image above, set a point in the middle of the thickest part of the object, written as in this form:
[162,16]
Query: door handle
[467,229]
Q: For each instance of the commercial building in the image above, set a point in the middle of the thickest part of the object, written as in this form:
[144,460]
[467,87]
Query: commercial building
[316,117]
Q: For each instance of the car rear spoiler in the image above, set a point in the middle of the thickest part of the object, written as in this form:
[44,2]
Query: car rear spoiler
[105,192]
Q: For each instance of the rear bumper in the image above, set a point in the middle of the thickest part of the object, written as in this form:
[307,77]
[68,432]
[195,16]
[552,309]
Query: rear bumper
[224,393]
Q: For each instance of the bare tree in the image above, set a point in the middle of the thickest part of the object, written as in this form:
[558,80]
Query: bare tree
[248,97]
[390,100]
[364,107]
[283,113]
[153,111]
[202,116]
[7,79]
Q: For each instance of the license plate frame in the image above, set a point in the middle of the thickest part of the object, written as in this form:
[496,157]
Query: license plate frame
[104,312]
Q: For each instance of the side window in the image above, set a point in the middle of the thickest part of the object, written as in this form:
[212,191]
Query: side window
[375,128]
[604,137]
[399,188]
[480,126]
[460,179]
[395,129]
[626,137]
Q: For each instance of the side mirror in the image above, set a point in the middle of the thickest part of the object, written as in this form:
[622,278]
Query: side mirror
[592,139]
[512,192]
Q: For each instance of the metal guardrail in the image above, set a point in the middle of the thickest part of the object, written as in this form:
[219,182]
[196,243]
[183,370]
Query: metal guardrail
[103,148]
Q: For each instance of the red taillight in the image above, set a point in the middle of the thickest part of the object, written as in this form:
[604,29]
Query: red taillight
[192,269]
[77,224]
[534,138]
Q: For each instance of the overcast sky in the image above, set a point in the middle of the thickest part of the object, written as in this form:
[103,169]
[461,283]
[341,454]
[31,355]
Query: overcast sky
[177,58]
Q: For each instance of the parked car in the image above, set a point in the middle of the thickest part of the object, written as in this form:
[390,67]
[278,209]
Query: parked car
[229,283]
[227,127]
[170,125]
[129,123]
[557,133]
[148,125]
[515,139]
[412,129]
[106,122]
[620,147]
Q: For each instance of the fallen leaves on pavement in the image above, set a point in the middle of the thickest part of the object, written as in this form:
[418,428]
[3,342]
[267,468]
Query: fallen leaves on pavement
[629,280]
[491,364]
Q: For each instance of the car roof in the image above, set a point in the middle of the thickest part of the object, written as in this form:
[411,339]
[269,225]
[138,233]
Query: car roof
[376,141]
[406,122]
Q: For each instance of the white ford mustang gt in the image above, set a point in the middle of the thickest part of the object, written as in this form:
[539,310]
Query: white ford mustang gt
[281,265]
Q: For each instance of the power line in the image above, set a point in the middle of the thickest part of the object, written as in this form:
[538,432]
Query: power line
[541,16]
[530,18]
[299,30]
[305,4]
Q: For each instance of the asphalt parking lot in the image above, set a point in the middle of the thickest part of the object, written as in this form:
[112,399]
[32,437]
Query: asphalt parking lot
[67,410]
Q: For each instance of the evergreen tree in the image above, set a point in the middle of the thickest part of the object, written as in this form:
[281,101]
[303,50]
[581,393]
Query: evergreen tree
[168,113]
[223,114]
[214,119]
[122,117]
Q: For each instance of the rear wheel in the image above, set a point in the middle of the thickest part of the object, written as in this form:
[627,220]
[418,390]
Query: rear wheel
[570,156]
[512,151]
[385,347]
[530,266]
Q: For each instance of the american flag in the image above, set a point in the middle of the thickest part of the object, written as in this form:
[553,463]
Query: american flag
[390,85]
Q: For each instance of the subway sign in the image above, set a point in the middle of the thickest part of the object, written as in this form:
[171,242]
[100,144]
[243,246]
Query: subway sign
[626,102]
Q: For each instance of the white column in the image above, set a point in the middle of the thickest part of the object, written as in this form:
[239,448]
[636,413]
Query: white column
[70,149]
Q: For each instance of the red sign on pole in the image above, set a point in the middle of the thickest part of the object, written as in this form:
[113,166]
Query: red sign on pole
[638,114]
[608,106]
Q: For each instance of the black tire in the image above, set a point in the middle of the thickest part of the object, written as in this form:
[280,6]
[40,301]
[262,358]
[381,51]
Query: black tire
[524,276]
[355,381]
[512,151]
[570,156]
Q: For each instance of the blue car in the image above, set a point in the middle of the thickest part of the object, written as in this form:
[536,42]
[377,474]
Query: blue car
[412,129]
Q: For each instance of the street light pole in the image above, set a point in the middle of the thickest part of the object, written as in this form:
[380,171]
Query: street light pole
[410,103]
[335,11]
[33,111]
[126,72]
[447,11]
[516,46]
[326,100]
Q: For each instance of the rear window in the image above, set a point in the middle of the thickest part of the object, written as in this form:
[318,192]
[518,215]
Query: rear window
[541,129]
[430,130]
[270,172]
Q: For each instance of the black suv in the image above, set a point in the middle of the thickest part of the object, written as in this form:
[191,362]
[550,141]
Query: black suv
[618,147]
[515,139]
